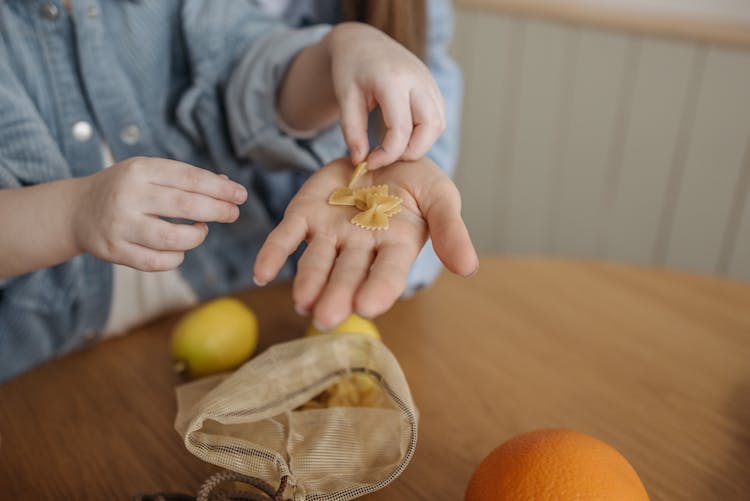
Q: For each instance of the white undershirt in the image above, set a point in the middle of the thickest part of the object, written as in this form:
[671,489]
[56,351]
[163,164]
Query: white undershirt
[139,296]
[273,7]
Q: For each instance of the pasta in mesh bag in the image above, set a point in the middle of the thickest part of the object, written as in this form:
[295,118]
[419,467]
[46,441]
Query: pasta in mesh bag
[327,417]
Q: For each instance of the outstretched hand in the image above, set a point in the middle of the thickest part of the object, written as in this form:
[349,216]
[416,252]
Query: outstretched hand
[346,268]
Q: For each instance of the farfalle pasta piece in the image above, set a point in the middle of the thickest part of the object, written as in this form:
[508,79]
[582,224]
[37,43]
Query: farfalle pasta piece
[360,195]
[374,202]
[379,207]
[371,219]
[386,203]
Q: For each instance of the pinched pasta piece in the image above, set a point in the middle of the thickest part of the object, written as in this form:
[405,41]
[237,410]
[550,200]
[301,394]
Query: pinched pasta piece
[358,172]
[342,196]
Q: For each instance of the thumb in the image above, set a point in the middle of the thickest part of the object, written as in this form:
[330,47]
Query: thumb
[450,237]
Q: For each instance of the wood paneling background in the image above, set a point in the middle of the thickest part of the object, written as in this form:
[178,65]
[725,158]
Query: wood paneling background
[592,143]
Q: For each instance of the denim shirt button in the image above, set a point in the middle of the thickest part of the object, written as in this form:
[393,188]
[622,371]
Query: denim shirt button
[82,131]
[92,11]
[130,135]
[49,11]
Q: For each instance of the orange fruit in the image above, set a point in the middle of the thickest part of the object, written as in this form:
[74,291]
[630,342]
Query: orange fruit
[555,465]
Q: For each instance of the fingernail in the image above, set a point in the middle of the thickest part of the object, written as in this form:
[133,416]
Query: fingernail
[364,314]
[240,194]
[224,176]
[319,326]
[301,311]
[476,270]
[356,156]
[259,283]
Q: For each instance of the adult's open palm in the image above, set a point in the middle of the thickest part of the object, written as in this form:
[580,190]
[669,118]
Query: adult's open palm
[346,268]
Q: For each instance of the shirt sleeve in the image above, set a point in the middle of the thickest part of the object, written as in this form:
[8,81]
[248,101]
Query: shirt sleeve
[255,127]
[238,55]
[448,76]
[28,152]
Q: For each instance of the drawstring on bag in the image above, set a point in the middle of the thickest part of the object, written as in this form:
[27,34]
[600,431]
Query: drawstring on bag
[212,490]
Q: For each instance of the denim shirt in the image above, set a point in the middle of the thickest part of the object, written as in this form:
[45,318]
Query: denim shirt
[191,80]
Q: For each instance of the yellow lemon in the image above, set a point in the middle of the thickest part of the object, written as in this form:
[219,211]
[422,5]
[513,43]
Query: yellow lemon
[215,337]
[353,323]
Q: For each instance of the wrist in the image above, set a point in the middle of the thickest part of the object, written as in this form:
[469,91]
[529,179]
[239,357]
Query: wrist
[72,208]
[306,99]
[342,32]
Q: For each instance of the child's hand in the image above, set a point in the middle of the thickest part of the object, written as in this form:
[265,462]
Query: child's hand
[346,268]
[119,216]
[371,68]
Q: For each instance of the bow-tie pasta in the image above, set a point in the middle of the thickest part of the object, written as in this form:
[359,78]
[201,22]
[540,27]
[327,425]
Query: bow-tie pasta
[374,202]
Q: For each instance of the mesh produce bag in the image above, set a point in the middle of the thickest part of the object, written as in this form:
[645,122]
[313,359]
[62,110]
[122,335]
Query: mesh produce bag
[285,419]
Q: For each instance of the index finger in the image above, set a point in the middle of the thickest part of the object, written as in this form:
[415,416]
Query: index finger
[398,121]
[192,179]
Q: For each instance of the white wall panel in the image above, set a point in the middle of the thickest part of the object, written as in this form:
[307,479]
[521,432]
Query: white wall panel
[650,143]
[714,160]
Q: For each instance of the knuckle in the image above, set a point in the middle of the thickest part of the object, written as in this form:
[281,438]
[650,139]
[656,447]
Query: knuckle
[437,124]
[411,155]
[137,165]
[168,237]
[352,131]
[292,213]
[447,190]
[400,74]
[151,262]
[192,179]
[348,92]
[328,237]
[110,247]
[401,130]
[183,204]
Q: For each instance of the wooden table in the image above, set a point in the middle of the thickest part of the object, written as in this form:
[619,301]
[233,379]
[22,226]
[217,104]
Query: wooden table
[656,363]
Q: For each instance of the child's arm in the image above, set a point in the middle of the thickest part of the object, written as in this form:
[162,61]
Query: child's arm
[37,224]
[350,71]
[114,215]
[346,268]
